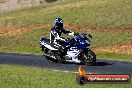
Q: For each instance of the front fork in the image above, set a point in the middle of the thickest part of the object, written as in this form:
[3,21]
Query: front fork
[82,52]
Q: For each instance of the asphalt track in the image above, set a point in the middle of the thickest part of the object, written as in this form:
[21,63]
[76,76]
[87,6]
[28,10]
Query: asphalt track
[101,67]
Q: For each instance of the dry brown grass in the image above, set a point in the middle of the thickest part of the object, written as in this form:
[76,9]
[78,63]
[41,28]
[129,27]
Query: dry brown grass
[76,4]
[10,30]
[118,48]
[14,30]
[3,1]
[128,7]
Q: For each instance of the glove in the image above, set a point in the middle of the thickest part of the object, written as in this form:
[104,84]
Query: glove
[75,34]
[72,33]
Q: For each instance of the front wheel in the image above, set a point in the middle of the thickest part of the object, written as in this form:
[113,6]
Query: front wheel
[89,58]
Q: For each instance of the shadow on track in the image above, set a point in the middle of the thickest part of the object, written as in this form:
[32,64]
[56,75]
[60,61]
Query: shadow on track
[50,1]
[97,63]
[55,61]
[41,61]
[102,66]
[103,63]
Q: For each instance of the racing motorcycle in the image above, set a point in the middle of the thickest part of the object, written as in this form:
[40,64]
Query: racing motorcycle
[75,50]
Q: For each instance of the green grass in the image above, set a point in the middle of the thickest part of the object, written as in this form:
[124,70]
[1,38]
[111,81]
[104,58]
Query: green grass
[110,38]
[106,14]
[30,77]
[114,56]
[31,45]
[20,45]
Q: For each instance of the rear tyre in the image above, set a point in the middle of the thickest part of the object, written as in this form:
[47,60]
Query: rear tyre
[46,50]
[51,54]
[59,57]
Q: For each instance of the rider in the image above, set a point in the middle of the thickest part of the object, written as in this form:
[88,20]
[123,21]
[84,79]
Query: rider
[55,36]
[56,31]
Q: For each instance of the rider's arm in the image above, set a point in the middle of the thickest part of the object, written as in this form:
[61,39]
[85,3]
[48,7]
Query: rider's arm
[57,37]
[67,32]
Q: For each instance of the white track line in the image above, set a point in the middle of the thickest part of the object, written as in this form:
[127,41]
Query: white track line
[67,71]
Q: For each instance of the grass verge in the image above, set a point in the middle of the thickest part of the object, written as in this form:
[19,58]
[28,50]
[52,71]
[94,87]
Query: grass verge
[107,14]
[31,77]
[29,42]
[95,13]
[114,56]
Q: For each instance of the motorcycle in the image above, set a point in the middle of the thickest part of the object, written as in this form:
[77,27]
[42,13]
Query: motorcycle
[75,50]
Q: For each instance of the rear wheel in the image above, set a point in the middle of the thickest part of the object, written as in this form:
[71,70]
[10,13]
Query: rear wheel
[46,50]
[59,57]
[52,55]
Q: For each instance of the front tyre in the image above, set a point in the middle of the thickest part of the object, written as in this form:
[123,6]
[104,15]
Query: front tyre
[89,58]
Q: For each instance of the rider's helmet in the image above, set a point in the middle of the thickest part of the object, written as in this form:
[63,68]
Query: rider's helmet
[59,22]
